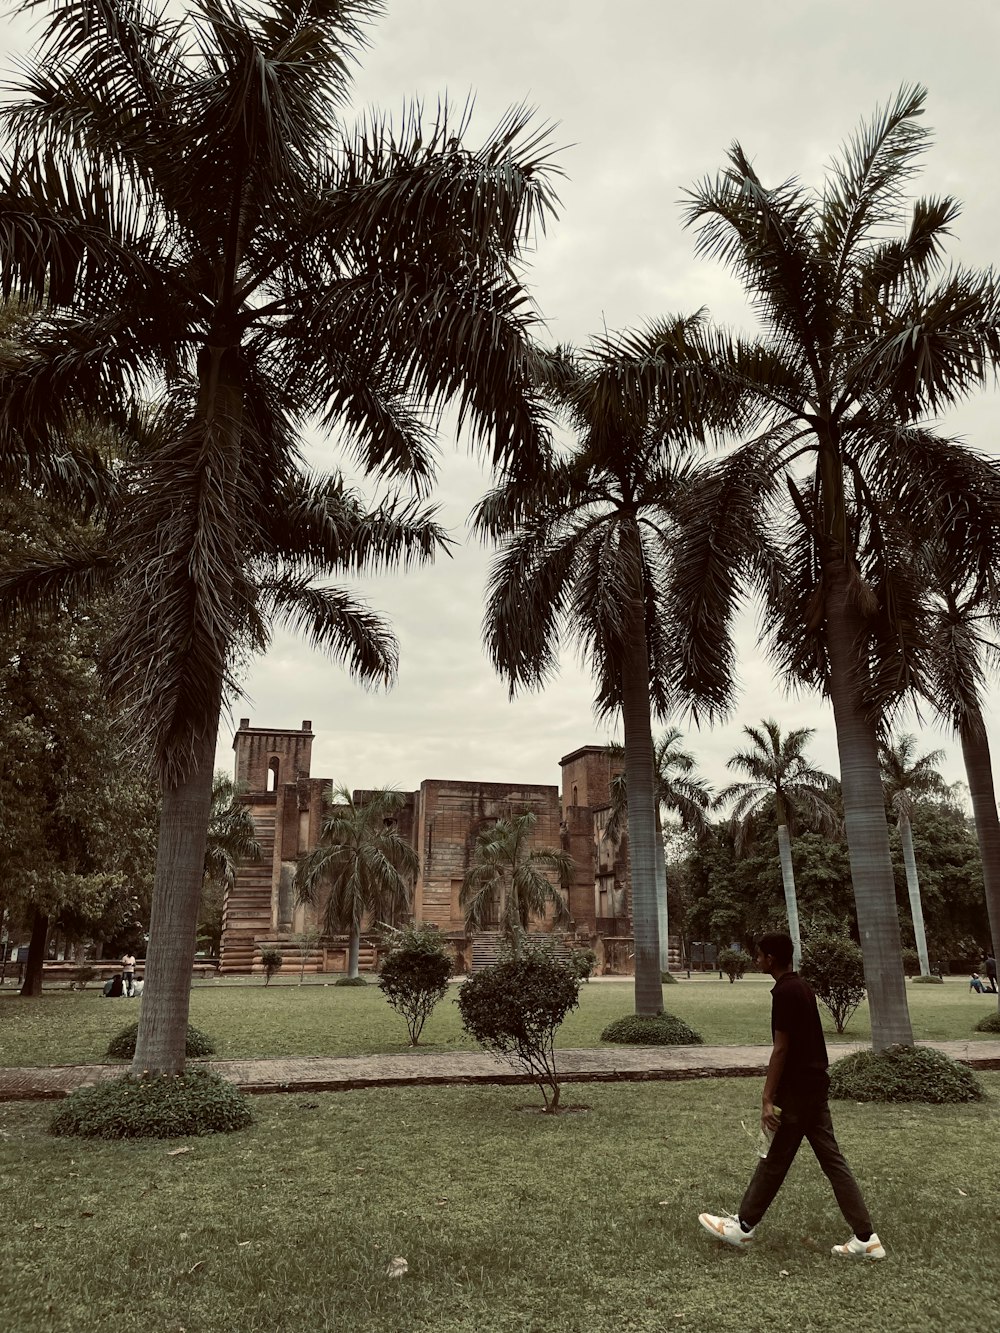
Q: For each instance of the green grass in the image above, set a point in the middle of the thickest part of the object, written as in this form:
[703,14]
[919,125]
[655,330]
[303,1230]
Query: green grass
[510,1222]
[67,1027]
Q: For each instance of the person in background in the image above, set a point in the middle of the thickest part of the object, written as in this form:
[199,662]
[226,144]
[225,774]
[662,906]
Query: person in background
[990,968]
[976,984]
[128,973]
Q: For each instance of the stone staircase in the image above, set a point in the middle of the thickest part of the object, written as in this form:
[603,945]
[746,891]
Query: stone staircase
[486,947]
[316,954]
[247,916]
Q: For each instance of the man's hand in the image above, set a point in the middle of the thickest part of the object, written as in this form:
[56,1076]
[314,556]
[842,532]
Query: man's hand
[769,1116]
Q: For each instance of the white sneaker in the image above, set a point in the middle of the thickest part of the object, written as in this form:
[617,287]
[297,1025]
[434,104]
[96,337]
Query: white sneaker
[726,1228]
[861,1249]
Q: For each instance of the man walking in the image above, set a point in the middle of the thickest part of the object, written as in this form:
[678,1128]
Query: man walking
[990,968]
[794,1107]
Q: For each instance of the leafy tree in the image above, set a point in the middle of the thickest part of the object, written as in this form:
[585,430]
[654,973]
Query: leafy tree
[734,962]
[207,236]
[905,776]
[414,975]
[833,966]
[864,330]
[514,1008]
[508,878]
[678,789]
[271,960]
[585,552]
[361,866]
[779,772]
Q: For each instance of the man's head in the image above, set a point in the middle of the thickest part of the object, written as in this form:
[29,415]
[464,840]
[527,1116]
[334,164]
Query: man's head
[775,952]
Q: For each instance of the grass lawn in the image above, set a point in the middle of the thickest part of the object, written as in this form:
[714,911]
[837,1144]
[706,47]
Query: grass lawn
[507,1220]
[70,1027]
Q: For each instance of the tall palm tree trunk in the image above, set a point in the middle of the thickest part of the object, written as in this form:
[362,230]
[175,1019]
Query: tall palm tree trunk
[177,885]
[353,950]
[641,814]
[913,889]
[662,918]
[788,884]
[979,771]
[864,815]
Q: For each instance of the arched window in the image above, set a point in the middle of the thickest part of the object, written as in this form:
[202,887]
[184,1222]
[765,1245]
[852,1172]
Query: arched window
[574,796]
[272,774]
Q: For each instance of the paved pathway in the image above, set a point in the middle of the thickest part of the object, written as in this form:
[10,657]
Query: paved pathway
[605,1064]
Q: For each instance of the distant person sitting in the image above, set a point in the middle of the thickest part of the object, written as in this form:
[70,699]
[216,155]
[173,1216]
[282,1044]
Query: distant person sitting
[976,984]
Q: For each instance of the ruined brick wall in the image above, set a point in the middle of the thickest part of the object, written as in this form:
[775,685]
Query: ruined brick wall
[599,898]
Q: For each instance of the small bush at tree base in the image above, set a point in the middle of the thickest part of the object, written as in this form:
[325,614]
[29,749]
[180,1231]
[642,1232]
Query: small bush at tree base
[927,981]
[414,975]
[122,1047]
[903,1074]
[271,960]
[350,981]
[514,1007]
[668,978]
[991,1023]
[734,962]
[159,1106]
[663,1030]
[833,967]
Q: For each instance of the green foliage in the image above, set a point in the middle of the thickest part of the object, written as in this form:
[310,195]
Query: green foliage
[927,981]
[583,962]
[734,962]
[513,1008]
[903,1074]
[122,1046]
[663,1030]
[82,976]
[991,1023]
[350,981]
[164,1106]
[668,978]
[414,975]
[833,966]
[911,963]
[271,959]
[509,877]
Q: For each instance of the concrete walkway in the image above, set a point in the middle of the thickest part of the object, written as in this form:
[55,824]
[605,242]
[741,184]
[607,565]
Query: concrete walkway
[604,1064]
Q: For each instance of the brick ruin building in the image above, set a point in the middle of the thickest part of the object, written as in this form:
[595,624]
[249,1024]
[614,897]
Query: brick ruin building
[441,821]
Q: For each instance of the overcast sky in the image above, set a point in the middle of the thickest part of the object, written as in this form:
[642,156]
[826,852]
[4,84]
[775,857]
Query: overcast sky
[645,97]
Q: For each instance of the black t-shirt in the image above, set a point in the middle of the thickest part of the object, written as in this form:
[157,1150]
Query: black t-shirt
[794,1011]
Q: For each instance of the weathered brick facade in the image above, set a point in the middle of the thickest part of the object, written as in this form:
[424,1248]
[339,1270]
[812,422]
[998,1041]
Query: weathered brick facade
[441,821]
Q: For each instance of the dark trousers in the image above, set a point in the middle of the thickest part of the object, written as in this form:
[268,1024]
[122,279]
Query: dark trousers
[807,1119]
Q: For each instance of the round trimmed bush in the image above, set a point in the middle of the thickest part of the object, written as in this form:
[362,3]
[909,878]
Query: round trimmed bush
[991,1023]
[122,1047]
[350,981]
[927,981]
[160,1106]
[663,1030]
[903,1074]
[668,978]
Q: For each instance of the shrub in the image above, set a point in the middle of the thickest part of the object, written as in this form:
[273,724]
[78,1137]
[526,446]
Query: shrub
[833,967]
[668,978]
[927,981]
[991,1023]
[350,981]
[663,1030]
[583,962]
[513,1008]
[911,962]
[271,961]
[81,976]
[903,1074]
[415,974]
[734,962]
[163,1106]
[122,1047]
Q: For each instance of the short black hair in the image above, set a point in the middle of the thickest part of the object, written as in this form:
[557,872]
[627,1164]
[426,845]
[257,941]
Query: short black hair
[777,946]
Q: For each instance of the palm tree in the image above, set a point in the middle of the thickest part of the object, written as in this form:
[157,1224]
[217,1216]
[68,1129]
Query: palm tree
[906,777]
[204,233]
[778,771]
[586,546]
[863,331]
[507,878]
[676,788]
[231,840]
[361,862]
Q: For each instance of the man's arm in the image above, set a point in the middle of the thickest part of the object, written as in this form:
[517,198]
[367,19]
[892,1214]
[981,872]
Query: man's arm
[775,1068]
